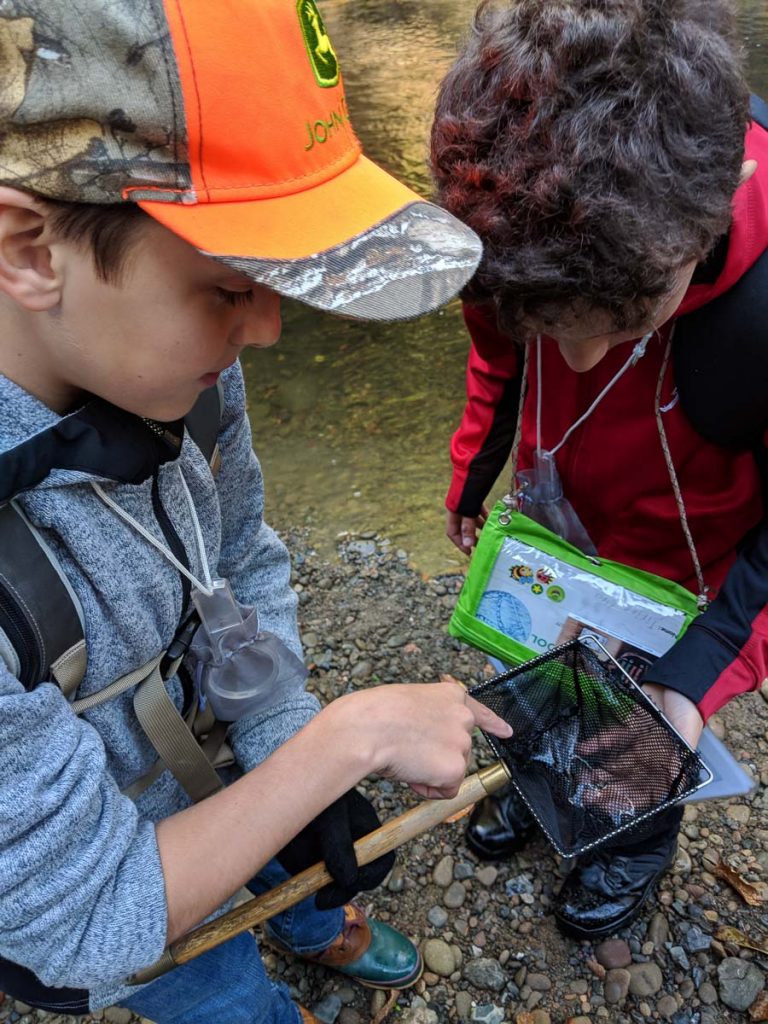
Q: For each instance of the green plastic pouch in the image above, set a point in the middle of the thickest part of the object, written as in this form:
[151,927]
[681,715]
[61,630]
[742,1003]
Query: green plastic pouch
[528,591]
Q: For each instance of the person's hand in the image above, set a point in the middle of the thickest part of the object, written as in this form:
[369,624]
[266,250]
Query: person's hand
[681,712]
[420,733]
[330,837]
[462,530]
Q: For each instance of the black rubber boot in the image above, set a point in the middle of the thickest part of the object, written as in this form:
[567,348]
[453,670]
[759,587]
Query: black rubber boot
[500,825]
[607,888]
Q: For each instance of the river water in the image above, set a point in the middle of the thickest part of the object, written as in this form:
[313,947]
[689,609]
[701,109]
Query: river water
[352,421]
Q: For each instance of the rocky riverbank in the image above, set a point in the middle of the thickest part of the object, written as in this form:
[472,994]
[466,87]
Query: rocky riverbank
[492,952]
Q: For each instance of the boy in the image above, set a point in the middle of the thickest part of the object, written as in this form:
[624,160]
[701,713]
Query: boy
[599,151]
[167,169]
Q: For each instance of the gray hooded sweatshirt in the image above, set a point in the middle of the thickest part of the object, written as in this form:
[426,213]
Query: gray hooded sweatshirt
[82,899]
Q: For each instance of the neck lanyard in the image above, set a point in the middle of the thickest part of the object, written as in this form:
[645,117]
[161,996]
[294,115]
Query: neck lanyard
[510,500]
[207,587]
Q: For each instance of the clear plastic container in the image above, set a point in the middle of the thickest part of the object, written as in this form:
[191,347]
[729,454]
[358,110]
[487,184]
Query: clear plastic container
[242,670]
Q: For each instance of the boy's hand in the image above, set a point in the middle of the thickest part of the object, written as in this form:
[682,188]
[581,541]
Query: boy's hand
[422,733]
[462,530]
[679,710]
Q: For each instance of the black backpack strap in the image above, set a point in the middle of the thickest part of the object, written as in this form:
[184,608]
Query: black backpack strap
[721,363]
[203,422]
[23,985]
[41,630]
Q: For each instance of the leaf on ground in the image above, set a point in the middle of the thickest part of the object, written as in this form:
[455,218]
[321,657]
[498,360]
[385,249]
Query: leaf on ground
[754,895]
[387,1008]
[758,1011]
[728,934]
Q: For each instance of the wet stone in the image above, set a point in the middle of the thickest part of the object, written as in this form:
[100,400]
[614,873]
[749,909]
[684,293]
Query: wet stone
[666,1007]
[487,1013]
[539,982]
[645,979]
[680,957]
[658,930]
[455,895]
[740,982]
[463,1004]
[328,1009]
[438,917]
[707,993]
[696,941]
[613,953]
[617,985]
[443,873]
[438,957]
[486,974]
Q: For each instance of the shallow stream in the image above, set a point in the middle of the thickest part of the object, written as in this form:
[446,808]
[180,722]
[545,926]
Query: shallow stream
[352,421]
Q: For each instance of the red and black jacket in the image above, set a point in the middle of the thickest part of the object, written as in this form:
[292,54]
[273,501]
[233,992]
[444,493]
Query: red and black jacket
[715,408]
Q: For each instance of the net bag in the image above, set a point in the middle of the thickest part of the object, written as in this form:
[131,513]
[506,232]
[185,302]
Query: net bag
[591,755]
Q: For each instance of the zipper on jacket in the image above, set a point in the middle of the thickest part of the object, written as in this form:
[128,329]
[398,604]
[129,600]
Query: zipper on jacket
[22,637]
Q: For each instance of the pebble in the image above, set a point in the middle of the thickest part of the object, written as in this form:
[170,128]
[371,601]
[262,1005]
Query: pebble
[617,982]
[115,1015]
[455,895]
[666,1007]
[539,982]
[438,957]
[438,917]
[328,1009]
[463,1004]
[658,930]
[419,1015]
[487,875]
[707,993]
[645,979]
[696,941]
[350,1016]
[740,982]
[613,953]
[486,974]
[443,873]
[487,1013]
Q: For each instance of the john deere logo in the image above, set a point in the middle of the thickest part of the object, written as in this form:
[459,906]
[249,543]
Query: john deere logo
[321,53]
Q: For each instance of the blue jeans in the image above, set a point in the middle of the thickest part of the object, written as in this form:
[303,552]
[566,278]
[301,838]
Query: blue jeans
[229,983]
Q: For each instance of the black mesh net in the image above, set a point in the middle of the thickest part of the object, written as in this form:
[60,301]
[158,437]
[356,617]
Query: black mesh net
[591,754]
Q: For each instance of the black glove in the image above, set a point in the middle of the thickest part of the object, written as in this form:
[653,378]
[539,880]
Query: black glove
[329,837]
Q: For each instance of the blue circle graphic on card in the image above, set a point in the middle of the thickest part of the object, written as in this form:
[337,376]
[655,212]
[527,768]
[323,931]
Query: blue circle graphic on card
[505,613]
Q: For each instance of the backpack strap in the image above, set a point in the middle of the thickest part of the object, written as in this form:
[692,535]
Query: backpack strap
[41,621]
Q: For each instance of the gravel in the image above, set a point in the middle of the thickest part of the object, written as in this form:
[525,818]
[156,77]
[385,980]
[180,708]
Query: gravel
[492,951]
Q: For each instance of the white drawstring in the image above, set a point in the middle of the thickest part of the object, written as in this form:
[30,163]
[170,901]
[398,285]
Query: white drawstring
[207,587]
[637,353]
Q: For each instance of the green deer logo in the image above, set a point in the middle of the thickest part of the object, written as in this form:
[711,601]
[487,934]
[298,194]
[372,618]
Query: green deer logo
[322,55]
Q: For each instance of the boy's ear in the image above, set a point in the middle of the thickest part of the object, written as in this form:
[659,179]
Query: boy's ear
[748,168]
[27,271]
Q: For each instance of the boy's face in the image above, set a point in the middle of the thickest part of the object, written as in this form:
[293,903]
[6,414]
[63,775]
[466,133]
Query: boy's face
[149,344]
[584,337]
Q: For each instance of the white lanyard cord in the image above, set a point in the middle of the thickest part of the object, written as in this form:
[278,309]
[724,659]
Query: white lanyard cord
[639,350]
[637,353]
[207,587]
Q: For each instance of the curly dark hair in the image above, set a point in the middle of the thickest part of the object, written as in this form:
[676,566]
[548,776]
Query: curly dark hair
[595,146]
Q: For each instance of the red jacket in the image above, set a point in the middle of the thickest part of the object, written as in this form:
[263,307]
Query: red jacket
[715,402]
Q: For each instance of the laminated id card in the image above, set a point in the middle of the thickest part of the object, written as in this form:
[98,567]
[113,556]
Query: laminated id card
[528,591]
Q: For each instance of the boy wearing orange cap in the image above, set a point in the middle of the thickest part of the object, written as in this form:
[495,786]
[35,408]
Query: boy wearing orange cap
[168,170]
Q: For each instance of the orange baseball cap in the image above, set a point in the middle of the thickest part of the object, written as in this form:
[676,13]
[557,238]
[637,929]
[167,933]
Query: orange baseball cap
[227,123]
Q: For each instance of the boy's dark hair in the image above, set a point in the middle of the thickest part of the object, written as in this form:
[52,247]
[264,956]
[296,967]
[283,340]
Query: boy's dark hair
[107,229]
[595,146]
